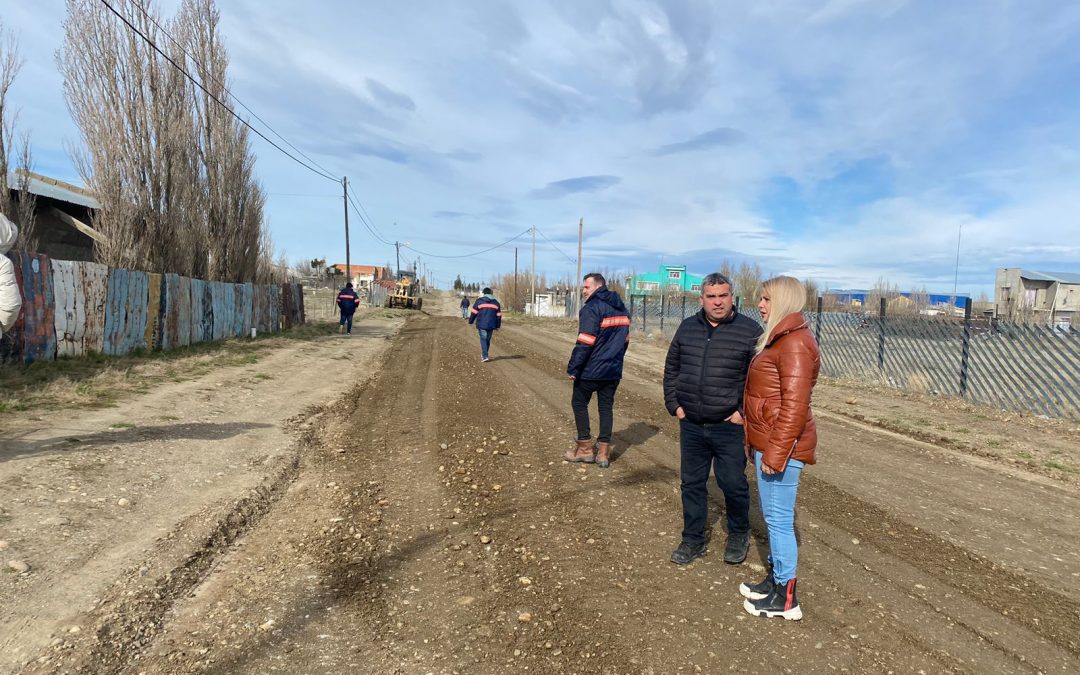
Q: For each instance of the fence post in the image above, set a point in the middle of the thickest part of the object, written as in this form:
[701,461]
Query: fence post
[817,322]
[966,349]
[663,310]
[644,312]
[682,312]
[881,335]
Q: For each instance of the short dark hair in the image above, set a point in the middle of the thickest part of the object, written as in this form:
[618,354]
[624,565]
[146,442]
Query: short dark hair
[715,279]
[597,277]
[487,291]
[348,285]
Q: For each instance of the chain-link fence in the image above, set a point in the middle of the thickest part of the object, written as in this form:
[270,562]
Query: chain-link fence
[320,304]
[1011,366]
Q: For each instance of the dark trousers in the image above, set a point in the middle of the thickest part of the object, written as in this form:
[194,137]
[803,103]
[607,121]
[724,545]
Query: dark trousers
[721,447]
[605,400]
[346,320]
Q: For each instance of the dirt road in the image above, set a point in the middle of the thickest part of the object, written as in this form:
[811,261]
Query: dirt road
[429,526]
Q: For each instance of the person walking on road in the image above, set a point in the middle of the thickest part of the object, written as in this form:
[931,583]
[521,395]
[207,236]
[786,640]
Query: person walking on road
[704,377]
[781,437]
[10,298]
[487,314]
[347,302]
[464,306]
[596,367]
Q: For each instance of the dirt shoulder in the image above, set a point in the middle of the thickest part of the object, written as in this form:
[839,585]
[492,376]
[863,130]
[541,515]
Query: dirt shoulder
[190,442]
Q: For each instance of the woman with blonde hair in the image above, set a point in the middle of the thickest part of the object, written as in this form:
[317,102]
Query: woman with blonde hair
[780,436]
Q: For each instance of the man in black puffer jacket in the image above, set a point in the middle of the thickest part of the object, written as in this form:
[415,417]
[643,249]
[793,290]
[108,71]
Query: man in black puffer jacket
[704,377]
[596,366]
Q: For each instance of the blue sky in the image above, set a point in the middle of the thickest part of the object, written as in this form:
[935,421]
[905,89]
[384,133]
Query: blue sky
[841,140]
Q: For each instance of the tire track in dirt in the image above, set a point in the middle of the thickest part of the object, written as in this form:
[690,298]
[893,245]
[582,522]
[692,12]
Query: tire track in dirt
[1028,623]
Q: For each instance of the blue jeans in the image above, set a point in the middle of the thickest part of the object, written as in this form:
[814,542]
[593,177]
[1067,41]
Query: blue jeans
[485,341]
[719,447]
[464,312]
[777,494]
[346,320]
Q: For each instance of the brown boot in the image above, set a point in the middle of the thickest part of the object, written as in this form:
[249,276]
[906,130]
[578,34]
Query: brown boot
[582,452]
[603,455]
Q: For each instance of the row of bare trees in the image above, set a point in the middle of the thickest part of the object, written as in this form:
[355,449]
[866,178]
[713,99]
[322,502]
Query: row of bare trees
[172,168]
[18,207]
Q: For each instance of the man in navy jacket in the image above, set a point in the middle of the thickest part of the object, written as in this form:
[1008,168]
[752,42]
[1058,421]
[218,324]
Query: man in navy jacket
[596,366]
[487,314]
[347,302]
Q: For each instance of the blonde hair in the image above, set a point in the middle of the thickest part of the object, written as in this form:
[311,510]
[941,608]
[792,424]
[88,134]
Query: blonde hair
[787,296]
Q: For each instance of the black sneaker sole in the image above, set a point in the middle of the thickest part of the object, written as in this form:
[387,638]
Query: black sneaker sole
[692,558]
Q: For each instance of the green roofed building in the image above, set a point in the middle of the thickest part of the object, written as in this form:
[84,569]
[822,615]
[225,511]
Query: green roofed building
[669,279]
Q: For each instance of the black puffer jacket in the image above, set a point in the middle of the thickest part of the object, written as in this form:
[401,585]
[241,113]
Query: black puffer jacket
[706,376]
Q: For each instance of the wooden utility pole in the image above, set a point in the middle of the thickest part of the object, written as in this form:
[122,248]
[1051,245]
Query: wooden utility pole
[515,274]
[345,201]
[397,252]
[533,286]
[577,286]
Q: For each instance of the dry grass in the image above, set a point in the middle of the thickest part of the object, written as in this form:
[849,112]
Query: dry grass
[96,381]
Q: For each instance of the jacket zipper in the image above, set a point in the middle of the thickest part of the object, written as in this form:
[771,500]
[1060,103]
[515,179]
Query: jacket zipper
[701,377]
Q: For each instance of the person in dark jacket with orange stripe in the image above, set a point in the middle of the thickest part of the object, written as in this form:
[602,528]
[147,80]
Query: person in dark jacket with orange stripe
[596,366]
[347,302]
[487,315]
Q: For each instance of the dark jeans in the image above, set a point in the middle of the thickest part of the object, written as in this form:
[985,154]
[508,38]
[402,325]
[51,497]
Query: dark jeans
[721,446]
[346,320]
[605,400]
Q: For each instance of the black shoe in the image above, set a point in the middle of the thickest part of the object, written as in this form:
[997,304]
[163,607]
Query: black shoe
[738,545]
[759,590]
[687,553]
[781,601]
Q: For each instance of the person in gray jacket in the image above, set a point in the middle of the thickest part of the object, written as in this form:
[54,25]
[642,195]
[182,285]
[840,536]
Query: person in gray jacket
[10,298]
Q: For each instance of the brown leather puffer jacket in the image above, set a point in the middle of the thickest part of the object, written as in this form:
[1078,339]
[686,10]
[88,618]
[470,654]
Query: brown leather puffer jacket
[776,403]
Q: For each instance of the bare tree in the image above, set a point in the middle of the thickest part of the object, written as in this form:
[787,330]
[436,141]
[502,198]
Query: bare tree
[21,208]
[234,198]
[134,110]
[747,282]
[171,166]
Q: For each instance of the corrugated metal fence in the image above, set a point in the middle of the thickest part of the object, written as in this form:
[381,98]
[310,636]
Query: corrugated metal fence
[74,308]
[1010,366]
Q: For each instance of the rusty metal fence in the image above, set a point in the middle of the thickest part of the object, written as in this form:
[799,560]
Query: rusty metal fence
[1010,366]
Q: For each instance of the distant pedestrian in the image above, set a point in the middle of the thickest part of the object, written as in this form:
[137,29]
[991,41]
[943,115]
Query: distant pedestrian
[465,306]
[487,314]
[780,436]
[347,302]
[704,376]
[596,367]
[10,298]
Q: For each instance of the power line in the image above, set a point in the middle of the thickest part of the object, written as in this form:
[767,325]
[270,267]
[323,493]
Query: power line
[573,260]
[206,70]
[368,220]
[475,253]
[369,226]
[215,98]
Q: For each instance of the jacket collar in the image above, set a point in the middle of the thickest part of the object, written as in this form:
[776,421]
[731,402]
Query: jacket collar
[789,324]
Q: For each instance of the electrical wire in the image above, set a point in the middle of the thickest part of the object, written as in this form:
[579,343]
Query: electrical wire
[150,17]
[469,255]
[573,260]
[370,227]
[215,98]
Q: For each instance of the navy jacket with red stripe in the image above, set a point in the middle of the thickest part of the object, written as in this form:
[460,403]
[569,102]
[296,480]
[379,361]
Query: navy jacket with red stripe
[487,313]
[347,300]
[603,335]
